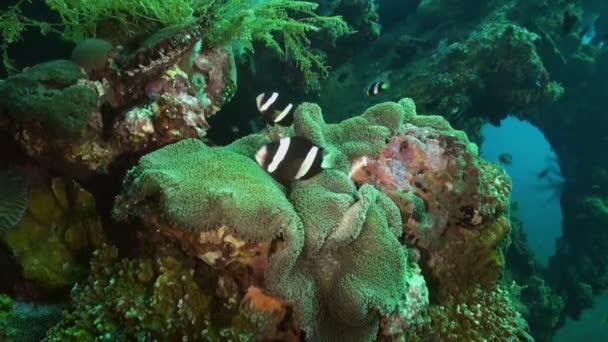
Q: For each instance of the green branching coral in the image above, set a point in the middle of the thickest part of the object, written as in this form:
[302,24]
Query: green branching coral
[12,25]
[282,25]
[245,21]
[83,18]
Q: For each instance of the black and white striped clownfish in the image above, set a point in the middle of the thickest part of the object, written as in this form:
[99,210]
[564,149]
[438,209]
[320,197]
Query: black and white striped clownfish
[274,110]
[377,87]
[291,159]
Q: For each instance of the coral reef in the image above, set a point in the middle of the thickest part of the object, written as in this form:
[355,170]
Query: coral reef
[455,206]
[76,121]
[143,299]
[495,71]
[572,125]
[483,83]
[402,238]
[315,246]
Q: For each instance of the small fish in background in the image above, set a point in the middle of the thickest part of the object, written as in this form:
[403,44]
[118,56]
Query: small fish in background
[377,87]
[543,173]
[273,110]
[551,172]
[588,32]
[505,158]
[514,205]
[603,41]
[289,159]
[457,116]
[569,21]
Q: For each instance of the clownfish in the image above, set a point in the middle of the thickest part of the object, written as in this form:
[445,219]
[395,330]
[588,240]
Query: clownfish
[377,87]
[273,110]
[291,159]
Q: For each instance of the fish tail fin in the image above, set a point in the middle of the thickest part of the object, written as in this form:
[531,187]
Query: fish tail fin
[386,85]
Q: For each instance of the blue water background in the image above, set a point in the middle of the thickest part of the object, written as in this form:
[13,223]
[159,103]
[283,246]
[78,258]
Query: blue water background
[539,209]
[538,199]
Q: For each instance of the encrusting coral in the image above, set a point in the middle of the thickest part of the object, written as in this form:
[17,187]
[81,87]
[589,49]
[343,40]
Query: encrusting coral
[455,205]
[143,299]
[474,315]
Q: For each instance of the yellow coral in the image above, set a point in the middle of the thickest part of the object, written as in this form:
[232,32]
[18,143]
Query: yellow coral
[61,222]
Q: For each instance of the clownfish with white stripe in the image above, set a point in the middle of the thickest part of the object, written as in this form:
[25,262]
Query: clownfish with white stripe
[377,87]
[274,110]
[291,159]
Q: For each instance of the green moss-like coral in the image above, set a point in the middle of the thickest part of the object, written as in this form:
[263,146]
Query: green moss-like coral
[48,93]
[243,21]
[355,137]
[237,22]
[201,188]
[341,262]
